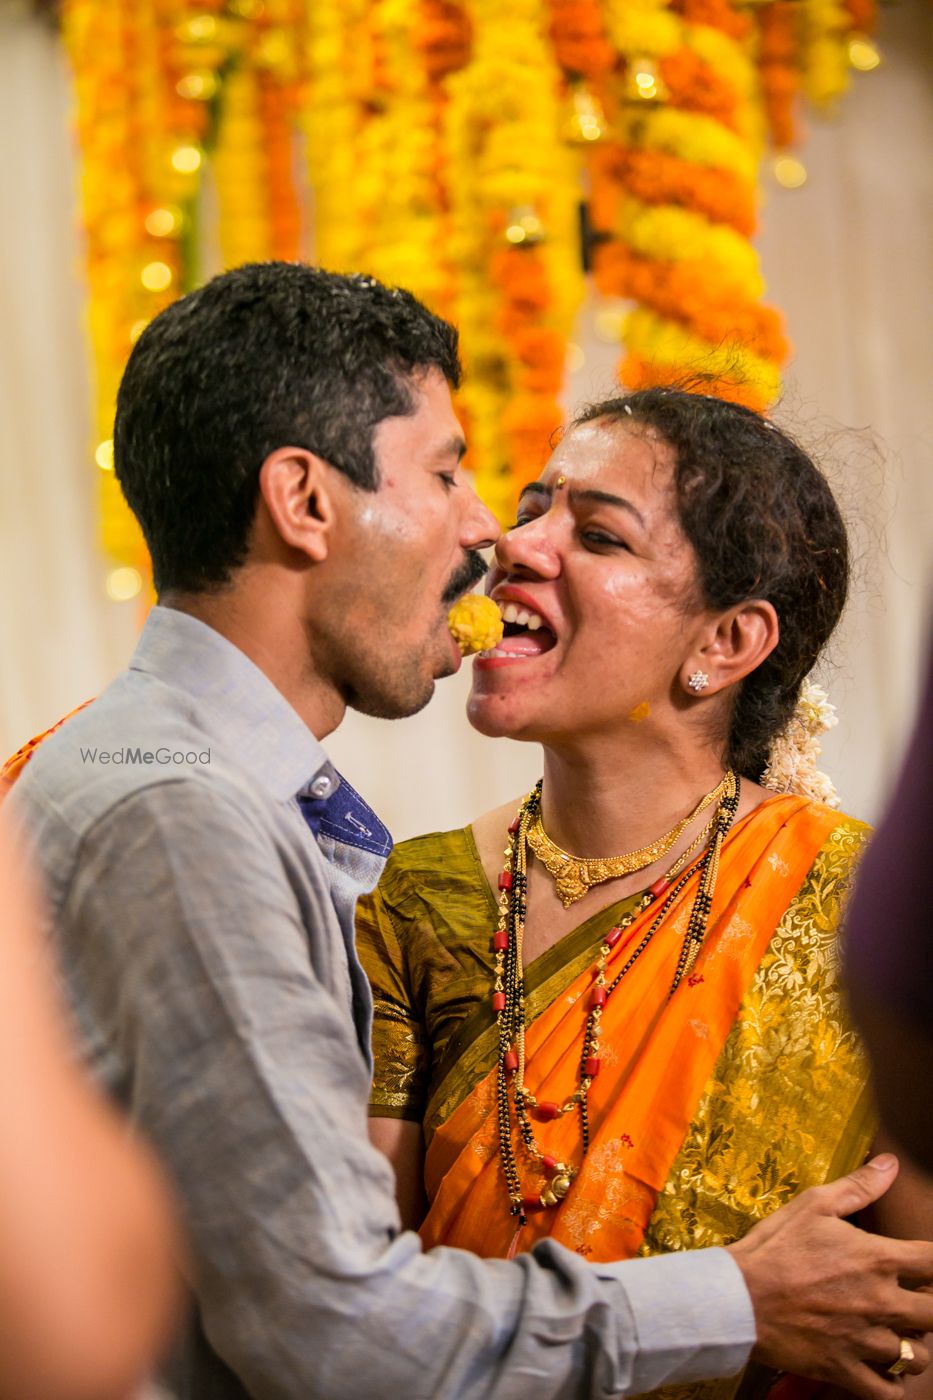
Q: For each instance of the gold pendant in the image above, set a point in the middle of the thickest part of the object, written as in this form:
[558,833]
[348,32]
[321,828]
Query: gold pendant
[557,1187]
[570,882]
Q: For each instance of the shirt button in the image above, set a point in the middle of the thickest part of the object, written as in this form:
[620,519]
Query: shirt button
[322,786]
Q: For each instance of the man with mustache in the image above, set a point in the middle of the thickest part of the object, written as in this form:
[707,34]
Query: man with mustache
[287,442]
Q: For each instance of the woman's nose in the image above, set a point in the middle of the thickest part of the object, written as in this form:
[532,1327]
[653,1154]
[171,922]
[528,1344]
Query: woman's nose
[529,548]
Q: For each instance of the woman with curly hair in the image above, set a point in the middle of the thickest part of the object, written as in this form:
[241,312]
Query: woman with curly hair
[609,1012]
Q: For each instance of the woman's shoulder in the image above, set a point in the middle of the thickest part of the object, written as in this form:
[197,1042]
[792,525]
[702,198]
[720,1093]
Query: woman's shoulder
[845,834]
[424,862]
[831,841]
[809,811]
[438,864]
[845,844]
[825,890]
[418,853]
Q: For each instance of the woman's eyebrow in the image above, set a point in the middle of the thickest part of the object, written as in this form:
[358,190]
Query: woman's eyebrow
[591,494]
[606,498]
[534,488]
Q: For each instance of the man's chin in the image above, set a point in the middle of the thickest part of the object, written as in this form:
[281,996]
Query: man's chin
[383,704]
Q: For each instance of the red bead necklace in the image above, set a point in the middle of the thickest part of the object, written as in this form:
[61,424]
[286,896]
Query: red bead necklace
[508,997]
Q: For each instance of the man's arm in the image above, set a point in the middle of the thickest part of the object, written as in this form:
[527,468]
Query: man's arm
[183,932]
[844,1322]
[88,1283]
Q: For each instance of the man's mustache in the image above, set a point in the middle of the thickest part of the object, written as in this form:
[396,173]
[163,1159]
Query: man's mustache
[470,572]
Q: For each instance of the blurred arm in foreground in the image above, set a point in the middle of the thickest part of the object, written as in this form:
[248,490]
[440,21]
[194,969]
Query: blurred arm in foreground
[889,958]
[88,1286]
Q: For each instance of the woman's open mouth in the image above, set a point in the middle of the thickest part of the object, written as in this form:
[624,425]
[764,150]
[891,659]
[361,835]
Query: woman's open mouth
[526,636]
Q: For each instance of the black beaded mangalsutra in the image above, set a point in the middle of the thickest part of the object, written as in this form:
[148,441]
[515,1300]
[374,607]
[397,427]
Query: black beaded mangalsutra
[508,998]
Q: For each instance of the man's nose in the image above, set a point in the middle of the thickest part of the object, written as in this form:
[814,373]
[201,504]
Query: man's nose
[481,529]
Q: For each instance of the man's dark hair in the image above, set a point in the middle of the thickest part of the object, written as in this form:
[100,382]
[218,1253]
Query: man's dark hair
[268,355]
[763,523]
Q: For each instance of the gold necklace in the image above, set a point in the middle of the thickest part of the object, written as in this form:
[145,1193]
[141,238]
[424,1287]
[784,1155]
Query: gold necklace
[574,875]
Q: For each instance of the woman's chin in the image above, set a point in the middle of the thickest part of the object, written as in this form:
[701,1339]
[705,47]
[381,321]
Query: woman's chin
[498,716]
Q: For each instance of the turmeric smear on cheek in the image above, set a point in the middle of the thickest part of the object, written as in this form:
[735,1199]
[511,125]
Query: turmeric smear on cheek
[640,712]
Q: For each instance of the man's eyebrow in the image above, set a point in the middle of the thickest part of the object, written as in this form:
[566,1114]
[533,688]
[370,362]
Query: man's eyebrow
[537,488]
[454,447]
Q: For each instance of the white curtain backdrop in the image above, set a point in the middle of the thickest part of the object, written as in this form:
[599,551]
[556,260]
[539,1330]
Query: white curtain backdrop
[847,258]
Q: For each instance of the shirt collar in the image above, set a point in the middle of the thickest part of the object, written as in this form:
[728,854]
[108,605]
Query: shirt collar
[268,737]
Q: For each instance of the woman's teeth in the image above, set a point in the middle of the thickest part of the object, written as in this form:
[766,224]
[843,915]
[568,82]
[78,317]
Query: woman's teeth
[521,617]
[527,635]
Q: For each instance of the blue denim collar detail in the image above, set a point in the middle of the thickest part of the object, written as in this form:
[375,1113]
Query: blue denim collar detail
[346,817]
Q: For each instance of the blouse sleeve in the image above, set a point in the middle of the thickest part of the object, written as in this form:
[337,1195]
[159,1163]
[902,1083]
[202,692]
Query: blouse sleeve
[400,1051]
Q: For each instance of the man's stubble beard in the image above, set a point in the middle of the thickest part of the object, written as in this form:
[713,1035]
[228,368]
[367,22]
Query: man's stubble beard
[387,688]
[383,703]
[372,681]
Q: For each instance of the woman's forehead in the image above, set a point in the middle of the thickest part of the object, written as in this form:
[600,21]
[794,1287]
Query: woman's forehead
[609,453]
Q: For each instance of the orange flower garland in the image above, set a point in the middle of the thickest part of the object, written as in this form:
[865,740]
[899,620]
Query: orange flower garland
[694,85]
[443,38]
[140,128]
[450,146]
[682,202]
[701,297]
[532,413]
[581,45]
[778,65]
[658,178]
[280,88]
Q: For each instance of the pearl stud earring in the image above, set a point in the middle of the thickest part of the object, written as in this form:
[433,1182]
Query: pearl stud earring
[698,681]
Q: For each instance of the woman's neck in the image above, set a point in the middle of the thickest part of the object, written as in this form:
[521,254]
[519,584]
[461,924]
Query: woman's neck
[604,800]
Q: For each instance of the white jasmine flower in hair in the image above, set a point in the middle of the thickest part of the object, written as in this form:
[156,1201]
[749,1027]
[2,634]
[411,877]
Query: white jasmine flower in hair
[793,755]
[815,710]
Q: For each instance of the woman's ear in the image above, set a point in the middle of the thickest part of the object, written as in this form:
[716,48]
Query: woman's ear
[295,486]
[734,645]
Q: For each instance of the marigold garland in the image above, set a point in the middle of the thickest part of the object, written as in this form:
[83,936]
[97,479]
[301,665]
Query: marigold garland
[698,211]
[705,300]
[692,84]
[779,67]
[640,373]
[581,45]
[825,60]
[449,146]
[240,172]
[655,177]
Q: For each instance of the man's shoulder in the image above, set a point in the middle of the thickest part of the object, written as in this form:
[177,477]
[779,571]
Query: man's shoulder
[137,738]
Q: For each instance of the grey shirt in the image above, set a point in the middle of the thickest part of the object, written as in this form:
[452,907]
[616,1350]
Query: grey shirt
[206,940]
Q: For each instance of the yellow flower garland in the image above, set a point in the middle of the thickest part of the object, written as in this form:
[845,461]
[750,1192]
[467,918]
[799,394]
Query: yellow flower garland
[679,44]
[449,144]
[665,343]
[666,232]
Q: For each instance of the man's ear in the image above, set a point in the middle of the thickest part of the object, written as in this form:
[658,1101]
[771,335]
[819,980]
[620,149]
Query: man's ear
[296,487]
[736,642]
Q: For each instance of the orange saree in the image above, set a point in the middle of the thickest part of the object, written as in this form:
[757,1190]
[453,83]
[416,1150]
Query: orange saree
[15,764]
[711,1109]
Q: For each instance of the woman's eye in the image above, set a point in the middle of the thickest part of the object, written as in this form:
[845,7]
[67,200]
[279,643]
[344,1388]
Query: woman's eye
[597,537]
[448,479]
